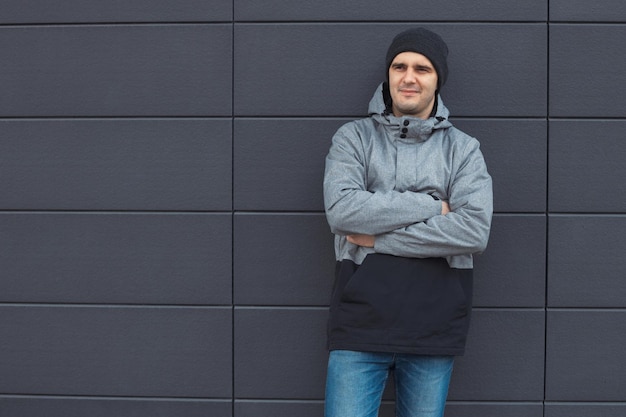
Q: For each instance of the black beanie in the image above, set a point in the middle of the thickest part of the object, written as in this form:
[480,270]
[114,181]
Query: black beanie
[423,42]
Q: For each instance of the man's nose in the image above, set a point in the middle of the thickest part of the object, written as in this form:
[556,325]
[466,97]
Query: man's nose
[409,76]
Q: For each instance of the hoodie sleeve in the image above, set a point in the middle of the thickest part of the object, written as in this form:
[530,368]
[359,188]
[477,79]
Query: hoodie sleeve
[351,208]
[463,231]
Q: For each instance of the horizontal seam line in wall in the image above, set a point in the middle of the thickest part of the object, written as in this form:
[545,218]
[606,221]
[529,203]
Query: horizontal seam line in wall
[267,22]
[104,211]
[487,117]
[280,307]
[385,22]
[243,307]
[533,118]
[279,212]
[112,24]
[270,212]
[537,309]
[314,401]
[587,309]
[552,309]
[307,22]
[585,214]
[618,403]
[352,117]
[279,400]
[292,400]
[166,306]
[112,397]
[558,213]
[293,117]
[586,22]
[495,402]
[520,214]
[599,119]
[120,305]
[172,212]
[428,22]
[62,118]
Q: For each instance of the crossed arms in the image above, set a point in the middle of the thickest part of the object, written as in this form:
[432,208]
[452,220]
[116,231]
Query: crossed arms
[409,223]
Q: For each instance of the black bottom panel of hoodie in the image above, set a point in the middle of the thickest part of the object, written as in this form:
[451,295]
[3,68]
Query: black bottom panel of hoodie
[400,305]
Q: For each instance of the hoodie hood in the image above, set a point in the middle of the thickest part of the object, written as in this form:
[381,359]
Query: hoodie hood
[407,126]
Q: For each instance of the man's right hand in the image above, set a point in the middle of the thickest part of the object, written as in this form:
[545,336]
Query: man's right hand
[445,208]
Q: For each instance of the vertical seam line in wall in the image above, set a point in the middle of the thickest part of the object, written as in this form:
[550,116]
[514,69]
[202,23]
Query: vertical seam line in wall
[545,305]
[232,207]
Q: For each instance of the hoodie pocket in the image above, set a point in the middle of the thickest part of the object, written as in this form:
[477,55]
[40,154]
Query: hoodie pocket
[406,295]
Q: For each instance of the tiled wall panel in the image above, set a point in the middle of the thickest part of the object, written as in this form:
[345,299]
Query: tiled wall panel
[292,182]
[575,409]
[585,11]
[292,68]
[32,406]
[594,89]
[453,409]
[512,271]
[475,409]
[249,408]
[401,10]
[115,258]
[502,343]
[283,259]
[115,70]
[515,150]
[587,169]
[586,261]
[116,164]
[283,345]
[584,355]
[98,11]
[115,351]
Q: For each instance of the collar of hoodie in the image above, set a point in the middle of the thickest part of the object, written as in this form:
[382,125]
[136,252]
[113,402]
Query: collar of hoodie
[407,127]
[411,128]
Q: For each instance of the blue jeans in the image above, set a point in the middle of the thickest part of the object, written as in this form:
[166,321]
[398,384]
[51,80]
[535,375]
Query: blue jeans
[356,380]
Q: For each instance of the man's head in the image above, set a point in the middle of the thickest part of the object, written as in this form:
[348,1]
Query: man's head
[426,43]
[416,70]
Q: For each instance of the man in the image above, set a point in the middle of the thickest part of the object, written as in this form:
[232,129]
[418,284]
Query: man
[409,199]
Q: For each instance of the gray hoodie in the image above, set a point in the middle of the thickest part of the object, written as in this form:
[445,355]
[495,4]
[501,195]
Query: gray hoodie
[385,176]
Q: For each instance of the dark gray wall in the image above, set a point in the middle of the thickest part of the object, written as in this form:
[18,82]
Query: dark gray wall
[163,249]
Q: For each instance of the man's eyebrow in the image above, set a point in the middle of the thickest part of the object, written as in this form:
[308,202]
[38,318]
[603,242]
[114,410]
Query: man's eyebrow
[419,66]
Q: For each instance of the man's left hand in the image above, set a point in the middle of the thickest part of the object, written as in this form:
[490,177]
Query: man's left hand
[362,240]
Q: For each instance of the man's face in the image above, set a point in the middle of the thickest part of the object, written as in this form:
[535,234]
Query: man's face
[412,85]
